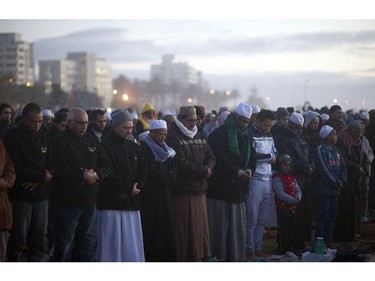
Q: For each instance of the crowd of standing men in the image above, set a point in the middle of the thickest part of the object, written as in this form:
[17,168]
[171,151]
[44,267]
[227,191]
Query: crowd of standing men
[86,185]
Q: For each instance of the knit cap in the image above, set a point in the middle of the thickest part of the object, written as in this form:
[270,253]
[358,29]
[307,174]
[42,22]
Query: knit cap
[120,116]
[281,112]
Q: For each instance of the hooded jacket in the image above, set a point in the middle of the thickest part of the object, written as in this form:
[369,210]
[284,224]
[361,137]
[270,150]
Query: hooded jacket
[312,138]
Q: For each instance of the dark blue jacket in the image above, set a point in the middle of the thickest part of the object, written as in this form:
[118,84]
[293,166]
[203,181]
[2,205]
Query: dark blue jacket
[330,169]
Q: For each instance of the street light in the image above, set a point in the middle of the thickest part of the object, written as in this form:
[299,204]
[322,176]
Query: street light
[307,81]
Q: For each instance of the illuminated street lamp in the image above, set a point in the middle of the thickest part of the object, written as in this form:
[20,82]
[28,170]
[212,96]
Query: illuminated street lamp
[125,97]
[189,100]
[227,92]
[114,92]
[212,91]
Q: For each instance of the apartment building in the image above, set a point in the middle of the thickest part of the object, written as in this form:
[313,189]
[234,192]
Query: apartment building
[16,59]
[80,71]
[176,72]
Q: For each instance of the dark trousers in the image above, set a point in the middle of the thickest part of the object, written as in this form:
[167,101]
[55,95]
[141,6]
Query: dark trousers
[344,229]
[326,214]
[304,217]
[75,227]
[29,229]
[287,230]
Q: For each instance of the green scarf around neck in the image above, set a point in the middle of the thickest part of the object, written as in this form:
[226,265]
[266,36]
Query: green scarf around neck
[233,134]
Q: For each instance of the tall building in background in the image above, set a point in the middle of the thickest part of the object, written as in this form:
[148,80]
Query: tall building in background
[16,59]
[180,82]
[80,71]
[171,72]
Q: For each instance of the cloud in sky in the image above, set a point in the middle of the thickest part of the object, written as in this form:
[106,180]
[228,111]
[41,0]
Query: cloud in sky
[113,44]
[276,56]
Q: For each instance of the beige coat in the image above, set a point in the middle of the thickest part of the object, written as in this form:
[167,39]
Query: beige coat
[7,179]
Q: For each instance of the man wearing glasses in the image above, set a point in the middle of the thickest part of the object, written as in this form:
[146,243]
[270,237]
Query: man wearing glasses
[75,156]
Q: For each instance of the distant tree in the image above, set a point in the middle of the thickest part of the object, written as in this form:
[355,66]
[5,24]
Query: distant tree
[58,98]
[156,93]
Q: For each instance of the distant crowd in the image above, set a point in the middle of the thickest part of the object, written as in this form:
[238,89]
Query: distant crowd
[180,186]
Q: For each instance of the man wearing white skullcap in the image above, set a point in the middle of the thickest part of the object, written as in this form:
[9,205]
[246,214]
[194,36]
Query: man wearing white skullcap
[365,118]
[47,119]
[242,115]
[331,176]
[156,196]
[297,118]
[244,110]
[228,188]
[289,141]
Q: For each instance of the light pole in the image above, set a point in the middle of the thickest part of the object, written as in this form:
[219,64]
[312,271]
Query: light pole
[307,81]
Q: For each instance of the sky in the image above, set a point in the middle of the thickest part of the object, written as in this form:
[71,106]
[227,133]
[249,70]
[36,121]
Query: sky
[288,49]
[288,58]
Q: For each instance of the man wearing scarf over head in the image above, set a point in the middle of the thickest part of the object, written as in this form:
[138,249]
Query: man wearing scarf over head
[229,185]
[350,144]
[156,196]
[195,161]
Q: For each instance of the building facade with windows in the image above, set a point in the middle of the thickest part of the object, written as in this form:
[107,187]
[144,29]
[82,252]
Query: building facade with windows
[176,72]
[16,59]
[183,83]
[80,71]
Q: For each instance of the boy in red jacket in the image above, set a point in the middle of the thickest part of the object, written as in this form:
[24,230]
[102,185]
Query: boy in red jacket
[287,195]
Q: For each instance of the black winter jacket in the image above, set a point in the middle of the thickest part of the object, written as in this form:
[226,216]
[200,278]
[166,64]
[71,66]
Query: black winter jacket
[115,190]
[29,154]
[71,155]
[224,184]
